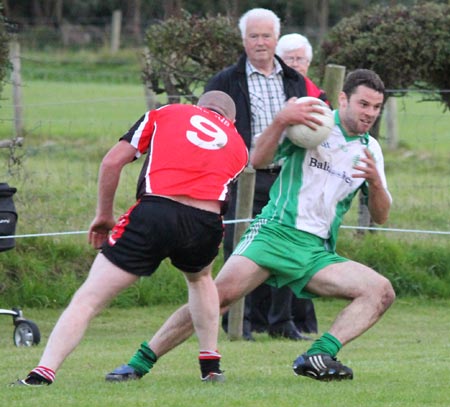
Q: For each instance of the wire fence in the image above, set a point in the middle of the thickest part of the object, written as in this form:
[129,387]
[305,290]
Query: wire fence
[69,125]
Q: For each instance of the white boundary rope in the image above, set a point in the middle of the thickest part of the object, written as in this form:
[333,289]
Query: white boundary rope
[81,232]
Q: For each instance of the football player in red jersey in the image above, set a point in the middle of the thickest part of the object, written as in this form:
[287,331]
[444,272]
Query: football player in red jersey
[193,154]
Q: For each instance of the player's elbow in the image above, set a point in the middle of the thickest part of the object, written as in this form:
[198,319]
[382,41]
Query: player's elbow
[259,161]
[257,164]
[379,207]
[380,215]
[380,219]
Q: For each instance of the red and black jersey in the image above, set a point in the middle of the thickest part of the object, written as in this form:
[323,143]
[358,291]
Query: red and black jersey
[191,151]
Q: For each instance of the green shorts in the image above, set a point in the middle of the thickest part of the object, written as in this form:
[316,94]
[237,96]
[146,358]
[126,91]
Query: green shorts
[290,255]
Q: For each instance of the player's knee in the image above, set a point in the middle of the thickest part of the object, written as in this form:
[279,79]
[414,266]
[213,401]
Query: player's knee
[225,302]
[224,309]
[226,294]
[389,294]
[385,292]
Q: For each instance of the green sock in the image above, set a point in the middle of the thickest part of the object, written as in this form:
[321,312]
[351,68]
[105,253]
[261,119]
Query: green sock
[143,360]
[327,343]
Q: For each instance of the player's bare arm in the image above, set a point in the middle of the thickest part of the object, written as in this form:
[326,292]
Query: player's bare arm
[379,201]
[109,174]
[292,113]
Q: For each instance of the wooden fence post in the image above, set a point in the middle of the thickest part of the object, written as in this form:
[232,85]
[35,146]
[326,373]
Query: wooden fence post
[16,79]
[332,83]
[244,209]
[150,96]
[115,30]
[390,110]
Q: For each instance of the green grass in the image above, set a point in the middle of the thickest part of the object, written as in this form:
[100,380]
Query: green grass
[72,118]
[417,172]
[70,125]
[83,66]
[401,362]
[45,272]
[80,112]
[73,114]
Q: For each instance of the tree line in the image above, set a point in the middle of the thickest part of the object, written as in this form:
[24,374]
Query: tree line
[313,18]
[406,46]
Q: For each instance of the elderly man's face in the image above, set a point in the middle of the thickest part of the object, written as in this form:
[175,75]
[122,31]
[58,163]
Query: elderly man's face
[260,41]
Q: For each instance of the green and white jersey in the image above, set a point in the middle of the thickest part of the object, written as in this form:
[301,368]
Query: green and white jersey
[315,187]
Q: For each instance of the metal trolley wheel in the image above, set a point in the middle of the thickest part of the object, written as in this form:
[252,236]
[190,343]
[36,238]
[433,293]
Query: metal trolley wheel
[26,333]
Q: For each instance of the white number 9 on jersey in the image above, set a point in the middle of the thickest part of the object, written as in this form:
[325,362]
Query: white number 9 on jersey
[215,137]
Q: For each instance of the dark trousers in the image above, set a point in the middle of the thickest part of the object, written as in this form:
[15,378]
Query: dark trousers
[266,306]
[270,308]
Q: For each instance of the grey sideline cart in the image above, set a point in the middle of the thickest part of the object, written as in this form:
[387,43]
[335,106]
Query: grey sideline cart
[26,332]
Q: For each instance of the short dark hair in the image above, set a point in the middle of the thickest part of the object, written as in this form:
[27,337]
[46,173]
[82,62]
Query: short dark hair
[364,77]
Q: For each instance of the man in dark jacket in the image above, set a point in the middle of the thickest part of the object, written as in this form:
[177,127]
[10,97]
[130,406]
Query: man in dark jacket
[259,83]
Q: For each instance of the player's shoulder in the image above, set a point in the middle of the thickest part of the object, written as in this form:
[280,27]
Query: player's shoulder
[373,142]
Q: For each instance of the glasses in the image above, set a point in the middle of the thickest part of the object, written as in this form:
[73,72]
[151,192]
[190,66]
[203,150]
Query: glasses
[299,60]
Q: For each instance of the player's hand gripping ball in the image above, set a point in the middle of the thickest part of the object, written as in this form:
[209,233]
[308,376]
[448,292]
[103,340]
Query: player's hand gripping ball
[303,136]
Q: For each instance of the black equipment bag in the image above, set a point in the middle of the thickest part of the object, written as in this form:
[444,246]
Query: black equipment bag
[8,216]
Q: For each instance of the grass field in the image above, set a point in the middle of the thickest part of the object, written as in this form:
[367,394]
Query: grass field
[418,173]
[403,361]
[77,104]
[70,125]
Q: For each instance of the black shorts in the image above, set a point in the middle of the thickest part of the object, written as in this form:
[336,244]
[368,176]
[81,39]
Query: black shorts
[156,228]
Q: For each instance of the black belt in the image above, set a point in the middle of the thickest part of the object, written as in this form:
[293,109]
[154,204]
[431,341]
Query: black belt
[270,170]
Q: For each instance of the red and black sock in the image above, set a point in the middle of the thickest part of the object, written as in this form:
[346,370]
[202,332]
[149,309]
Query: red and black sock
[209,362]
[40,375]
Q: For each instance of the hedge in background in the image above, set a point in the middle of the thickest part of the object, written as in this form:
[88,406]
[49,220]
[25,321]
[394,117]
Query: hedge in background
[43,273]
[185,52]
[405,45]
[415,268]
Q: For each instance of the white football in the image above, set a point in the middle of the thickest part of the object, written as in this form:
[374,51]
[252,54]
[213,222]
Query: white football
[303,136]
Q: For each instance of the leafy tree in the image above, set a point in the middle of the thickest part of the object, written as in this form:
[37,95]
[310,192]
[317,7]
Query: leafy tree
[406,46]
[183,52]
